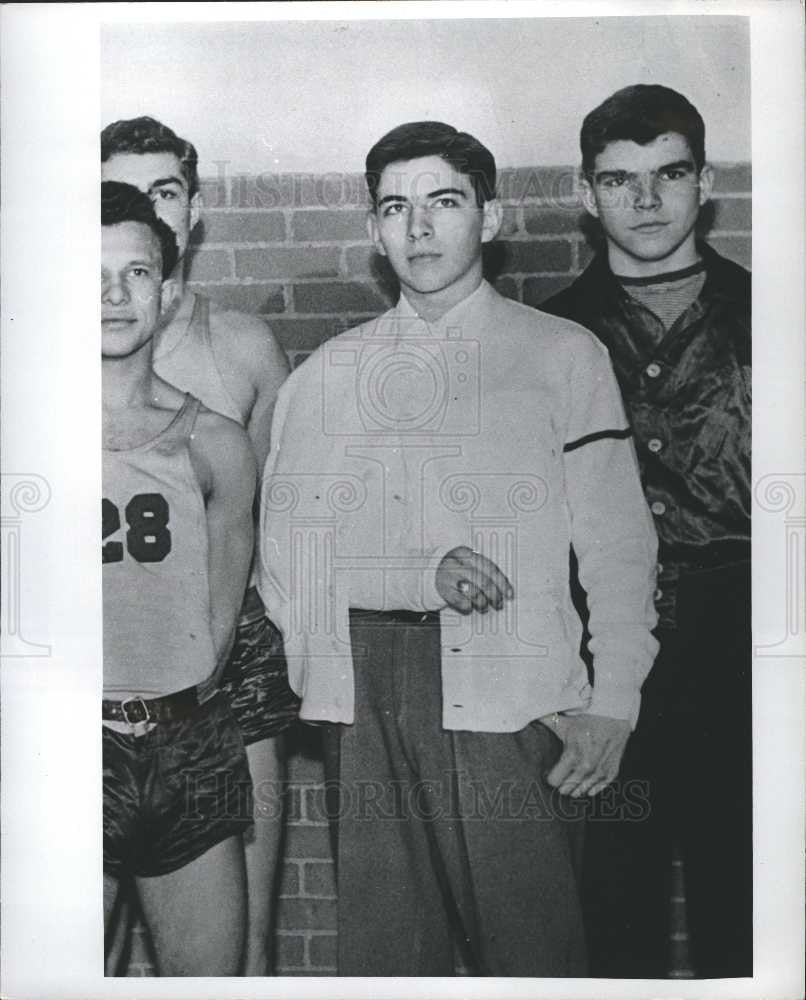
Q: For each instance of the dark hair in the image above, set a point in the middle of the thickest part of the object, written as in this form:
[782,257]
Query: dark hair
[124,203]
[415,139]
[640,114]
[147,135]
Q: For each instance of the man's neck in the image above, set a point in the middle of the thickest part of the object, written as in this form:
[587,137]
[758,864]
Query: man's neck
[171,332]
[127,383]
[432,306]
[178,278]
[625,265]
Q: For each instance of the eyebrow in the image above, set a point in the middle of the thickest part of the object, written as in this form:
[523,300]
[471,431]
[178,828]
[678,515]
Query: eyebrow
[440,192]
[675,164]
[140,262]
[165,181]
[135,262]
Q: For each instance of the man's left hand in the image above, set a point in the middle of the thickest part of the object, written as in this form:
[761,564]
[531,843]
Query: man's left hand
[593,746]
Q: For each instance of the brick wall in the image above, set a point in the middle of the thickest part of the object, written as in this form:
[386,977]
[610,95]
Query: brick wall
[295,249]
[305,942]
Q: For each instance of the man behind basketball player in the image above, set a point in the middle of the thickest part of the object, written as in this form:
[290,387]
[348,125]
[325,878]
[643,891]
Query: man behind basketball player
[233,364]
[178,488]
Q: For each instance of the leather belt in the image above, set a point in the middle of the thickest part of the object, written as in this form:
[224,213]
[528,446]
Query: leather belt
[396,617]
[168,708]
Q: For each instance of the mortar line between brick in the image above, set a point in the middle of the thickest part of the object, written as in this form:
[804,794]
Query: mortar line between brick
[530,238]
[262,245]
[534,274]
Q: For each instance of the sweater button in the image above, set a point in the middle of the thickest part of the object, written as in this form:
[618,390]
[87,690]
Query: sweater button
[652,369]
[654,445]
[658,507]
[658,594]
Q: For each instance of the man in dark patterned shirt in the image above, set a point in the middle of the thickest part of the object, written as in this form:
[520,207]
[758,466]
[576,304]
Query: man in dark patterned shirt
[675,317]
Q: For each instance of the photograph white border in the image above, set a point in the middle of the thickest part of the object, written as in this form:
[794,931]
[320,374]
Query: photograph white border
[51,810]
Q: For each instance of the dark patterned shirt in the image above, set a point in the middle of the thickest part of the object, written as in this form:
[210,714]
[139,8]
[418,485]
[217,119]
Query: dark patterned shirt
[688,395]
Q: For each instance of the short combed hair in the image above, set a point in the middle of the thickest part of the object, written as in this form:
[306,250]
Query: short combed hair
[415,139]
[125,203]
[640,114]
[147,135]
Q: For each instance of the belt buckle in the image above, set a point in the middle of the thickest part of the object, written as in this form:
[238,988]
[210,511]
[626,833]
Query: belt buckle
[143,708]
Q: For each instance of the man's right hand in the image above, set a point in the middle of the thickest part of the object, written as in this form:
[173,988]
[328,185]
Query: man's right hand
[467,580]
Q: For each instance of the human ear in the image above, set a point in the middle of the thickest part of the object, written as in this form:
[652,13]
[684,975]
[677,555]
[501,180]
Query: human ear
[169,295]
[374,232]
[585,190]
[493,216]
[195,210]
[706,182]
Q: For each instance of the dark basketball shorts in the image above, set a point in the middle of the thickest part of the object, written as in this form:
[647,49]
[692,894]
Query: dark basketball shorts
[174,792]
[255,679]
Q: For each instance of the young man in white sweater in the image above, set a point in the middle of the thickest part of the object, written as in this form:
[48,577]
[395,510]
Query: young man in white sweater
[429,472]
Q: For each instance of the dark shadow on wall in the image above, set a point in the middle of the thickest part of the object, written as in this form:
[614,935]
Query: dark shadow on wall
[196,241]
[494,260]
[384,277]
[197,237]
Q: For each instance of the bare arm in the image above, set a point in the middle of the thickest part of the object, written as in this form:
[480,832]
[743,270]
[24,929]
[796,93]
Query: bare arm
[270,371]
[223,458]
[254,367]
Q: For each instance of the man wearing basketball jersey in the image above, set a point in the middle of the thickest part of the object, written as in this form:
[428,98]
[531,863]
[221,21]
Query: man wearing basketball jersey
[178,488]
[233,364]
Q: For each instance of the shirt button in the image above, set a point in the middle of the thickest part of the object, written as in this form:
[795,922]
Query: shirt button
[655,444]
[652,369]
[658,507]
[658,594]
[660,568]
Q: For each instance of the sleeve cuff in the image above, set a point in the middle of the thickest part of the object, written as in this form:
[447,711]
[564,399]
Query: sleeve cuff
[432,599]
[616,701]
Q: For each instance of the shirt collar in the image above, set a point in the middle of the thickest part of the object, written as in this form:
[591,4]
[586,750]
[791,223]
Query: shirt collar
[469,310]
[603,280]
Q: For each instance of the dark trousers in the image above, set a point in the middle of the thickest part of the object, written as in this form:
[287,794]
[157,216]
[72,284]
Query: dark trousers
[686,779]
[445,836]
